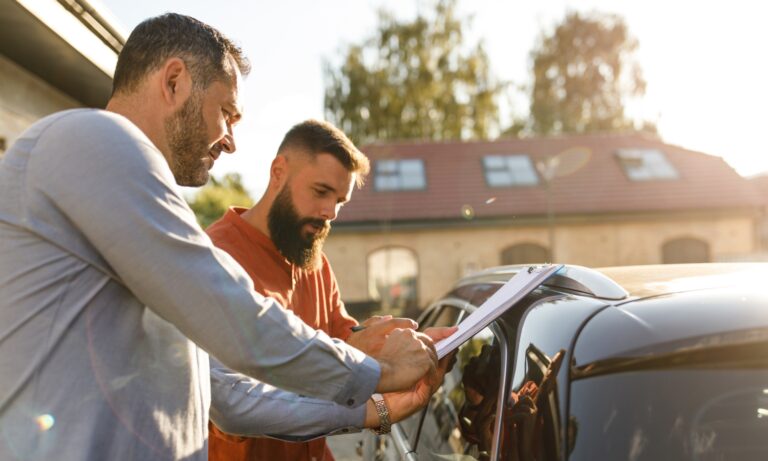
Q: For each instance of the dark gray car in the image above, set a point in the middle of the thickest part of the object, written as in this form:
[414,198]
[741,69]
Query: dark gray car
[635,363]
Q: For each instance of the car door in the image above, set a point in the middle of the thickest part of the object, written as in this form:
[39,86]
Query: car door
[462,418]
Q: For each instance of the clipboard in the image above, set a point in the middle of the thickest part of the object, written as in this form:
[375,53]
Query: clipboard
[505,297]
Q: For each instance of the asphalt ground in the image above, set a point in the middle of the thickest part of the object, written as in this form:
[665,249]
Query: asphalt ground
[344,447]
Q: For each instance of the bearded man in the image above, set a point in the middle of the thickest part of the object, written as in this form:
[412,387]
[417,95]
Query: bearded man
[279,243]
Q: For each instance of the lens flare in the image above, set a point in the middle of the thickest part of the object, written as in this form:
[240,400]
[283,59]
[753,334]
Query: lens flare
[467,212]
[44,422]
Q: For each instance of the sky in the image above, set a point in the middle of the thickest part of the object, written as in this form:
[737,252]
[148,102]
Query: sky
[704,62]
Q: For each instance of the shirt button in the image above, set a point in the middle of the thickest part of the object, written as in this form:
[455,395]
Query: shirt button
[351,402]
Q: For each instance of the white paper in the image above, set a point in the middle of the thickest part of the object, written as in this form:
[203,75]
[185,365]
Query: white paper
[505,297]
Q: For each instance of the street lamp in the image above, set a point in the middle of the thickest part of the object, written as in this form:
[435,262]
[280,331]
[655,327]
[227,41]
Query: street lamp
[563,163]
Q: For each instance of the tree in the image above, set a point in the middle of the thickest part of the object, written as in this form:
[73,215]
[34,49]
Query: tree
[411,80]
[212,201]
[584,72]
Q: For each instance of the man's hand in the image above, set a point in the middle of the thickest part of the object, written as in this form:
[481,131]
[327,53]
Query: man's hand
[445,364]
[439,333]
[405,357]
[405,403]
[372,338]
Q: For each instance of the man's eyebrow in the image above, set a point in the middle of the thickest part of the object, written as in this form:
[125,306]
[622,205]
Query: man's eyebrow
[325,186]
[329,188]
[234,110]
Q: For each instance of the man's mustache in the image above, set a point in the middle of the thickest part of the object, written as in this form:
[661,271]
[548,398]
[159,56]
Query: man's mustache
[322,224]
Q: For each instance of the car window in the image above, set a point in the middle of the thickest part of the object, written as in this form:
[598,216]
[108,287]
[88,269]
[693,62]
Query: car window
[443,315]
[447,316]
[531,417]
[534,411]
[459,422]
[671,414]
[475,293]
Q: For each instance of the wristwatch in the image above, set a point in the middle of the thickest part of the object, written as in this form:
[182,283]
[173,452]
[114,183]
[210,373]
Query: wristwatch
[385,424]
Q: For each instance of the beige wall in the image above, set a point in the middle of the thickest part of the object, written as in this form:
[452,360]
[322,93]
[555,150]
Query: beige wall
[25,98]
[445,255]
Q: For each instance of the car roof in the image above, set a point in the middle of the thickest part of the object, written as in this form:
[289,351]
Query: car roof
[675,322]
[660,309]
[653,280]
[678,308]
[569,278]
[622,283]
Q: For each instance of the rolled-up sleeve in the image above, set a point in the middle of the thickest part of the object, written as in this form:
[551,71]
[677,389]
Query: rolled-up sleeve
[116,188]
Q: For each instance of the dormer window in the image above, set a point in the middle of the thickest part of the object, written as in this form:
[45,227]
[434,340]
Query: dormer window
[401,174]
[646,164]
[509,171]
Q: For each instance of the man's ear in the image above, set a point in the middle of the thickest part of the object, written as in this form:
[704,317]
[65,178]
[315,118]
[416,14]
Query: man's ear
[176,82]
[278,172]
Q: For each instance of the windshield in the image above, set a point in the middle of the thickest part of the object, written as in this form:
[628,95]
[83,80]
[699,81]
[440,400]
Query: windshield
[670,414]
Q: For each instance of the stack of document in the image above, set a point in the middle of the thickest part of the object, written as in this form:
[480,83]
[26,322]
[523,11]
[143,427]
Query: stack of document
[507,296]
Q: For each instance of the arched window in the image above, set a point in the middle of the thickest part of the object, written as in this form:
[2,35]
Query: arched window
[525,253]
[685,250]
[392,276]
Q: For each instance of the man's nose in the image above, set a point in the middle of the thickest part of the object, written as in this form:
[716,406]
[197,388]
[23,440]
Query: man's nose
[330,211]
[228,142]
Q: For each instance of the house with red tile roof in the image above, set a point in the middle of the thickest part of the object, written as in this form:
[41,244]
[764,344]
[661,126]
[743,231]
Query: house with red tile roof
[431,212]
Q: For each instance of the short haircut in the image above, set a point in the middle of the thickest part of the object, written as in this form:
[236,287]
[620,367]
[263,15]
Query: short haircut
[315,137]
[204,50]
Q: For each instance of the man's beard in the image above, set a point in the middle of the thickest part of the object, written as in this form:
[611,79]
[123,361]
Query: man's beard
[285,228]
[187,140]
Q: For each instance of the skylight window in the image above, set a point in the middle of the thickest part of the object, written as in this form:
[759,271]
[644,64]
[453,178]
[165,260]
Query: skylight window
[402,174]
[509,171]
[646,164]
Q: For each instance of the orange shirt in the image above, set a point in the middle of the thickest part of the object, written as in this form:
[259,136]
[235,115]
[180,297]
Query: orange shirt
[312,295]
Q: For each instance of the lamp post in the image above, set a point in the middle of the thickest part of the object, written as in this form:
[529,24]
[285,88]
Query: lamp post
[563,163]
[547,169]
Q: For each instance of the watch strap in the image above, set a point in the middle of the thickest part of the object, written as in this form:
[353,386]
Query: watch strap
[385,425]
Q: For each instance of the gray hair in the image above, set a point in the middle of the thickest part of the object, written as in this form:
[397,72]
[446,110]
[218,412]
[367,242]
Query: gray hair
[204,50]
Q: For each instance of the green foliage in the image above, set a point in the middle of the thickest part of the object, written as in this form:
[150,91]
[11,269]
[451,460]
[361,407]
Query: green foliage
[584,72]
[212,201]
[411,80]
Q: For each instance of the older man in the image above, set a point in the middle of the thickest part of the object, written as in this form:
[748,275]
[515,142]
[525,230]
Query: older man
[93,228]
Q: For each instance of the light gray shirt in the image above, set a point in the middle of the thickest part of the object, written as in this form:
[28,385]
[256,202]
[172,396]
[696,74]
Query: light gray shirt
[244,406]
[93,228]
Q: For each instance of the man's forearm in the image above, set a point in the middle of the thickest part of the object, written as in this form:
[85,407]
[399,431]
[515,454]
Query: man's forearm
[243,406]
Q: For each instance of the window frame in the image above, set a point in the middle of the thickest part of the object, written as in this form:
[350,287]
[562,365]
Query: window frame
[369,274]
[672,248]
[505,158]
[625,155]
[524,246]
[397,174]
